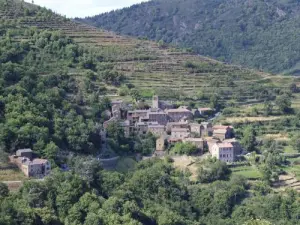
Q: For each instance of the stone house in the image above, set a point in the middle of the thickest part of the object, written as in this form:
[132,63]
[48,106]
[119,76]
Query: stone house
[117,103]
[172,125]
[223,132]
[156,129]
[206,129]
[36,167]
[237,147]
[161,117]
[27,153]
[31,167]
[142,127]
[196,129]
[116,111]
[223,152]
[127,127]
[177,114]
[210,141]
[180,133]
[136,114]
[205,111]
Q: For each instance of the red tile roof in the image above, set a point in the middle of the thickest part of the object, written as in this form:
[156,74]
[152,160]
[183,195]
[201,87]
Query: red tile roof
[225,145]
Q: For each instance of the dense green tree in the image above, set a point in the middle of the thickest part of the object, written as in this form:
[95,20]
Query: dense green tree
[249,139]
[3,190]
[295,141]
[284,103]
[184,148]
[211,170]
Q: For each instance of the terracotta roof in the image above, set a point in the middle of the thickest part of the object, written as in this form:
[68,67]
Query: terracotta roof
[156,126]
[218,127]
[139,111]
[178,110]
[146,123]
[193,139]
[195,124]
[177,123]
[174,139]
[205,109]
[233,140]
[220,131]
[225,145]
[38,161]
[157,113]
[24,150]
[180,130]
[205,123]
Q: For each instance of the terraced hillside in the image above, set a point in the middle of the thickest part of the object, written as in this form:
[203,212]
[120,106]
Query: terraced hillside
[152,67]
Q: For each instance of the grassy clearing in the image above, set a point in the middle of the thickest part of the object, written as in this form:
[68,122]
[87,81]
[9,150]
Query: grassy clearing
[289,149]
[12,175]
[248,172]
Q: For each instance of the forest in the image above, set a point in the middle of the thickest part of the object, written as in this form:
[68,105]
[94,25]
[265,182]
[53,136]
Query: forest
[153,193]
[259,34]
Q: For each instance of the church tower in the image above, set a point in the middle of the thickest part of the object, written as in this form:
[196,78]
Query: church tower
[155,102]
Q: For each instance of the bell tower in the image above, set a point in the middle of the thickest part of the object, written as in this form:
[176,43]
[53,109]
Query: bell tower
[155,102]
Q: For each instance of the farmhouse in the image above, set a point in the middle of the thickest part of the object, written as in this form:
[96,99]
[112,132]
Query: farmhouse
[180,133]
[205,111]
[223,132]
[31,167]
[223,152]
[177,114]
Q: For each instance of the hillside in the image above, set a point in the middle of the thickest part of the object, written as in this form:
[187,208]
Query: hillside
[154,68]
[57,78]
[261,34]
[52,63]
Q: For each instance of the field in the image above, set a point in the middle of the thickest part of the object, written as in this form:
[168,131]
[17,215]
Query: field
[11,175]
[249,172]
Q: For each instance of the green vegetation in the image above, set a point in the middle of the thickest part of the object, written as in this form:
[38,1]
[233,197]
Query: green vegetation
[211,170]
[56,80]
[261,35]
[153,193]
[249,172]
[184,149]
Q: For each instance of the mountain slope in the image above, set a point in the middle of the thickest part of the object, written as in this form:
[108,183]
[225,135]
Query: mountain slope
[261,34]
[150,67]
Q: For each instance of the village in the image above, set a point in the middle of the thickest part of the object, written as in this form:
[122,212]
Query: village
[172,125]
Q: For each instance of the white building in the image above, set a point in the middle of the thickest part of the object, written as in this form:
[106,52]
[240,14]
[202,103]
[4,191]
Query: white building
[223,152]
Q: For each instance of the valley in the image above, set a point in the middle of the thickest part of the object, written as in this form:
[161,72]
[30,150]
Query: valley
[102,128]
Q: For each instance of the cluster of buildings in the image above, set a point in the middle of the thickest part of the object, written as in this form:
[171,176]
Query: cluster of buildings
[174,125]
[29,165]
